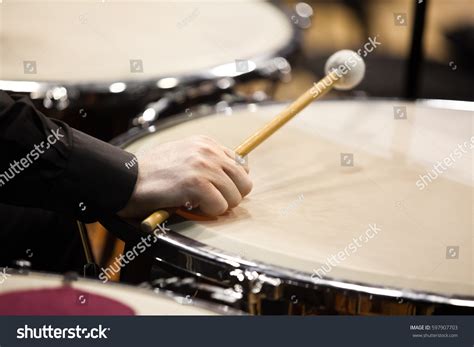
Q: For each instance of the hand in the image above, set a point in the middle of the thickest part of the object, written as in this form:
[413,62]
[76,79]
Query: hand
[195,172]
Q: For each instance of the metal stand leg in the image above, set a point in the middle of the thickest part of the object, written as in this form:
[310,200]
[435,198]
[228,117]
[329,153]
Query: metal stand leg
[91,269]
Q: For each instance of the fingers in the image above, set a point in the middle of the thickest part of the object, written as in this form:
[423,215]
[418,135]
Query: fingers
[214,192]
[237,173]
[236,159]
[239,177]
[227,188]
[219,182]
[211,201]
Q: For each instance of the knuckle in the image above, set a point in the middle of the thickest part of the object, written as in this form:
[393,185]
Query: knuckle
[205,149]
[194,182]
[200,162]
[206,138]
[202,139]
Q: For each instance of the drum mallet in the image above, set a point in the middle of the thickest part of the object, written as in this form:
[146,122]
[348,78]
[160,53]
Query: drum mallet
[344,70]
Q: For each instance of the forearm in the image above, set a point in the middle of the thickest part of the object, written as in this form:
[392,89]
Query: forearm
[45,163]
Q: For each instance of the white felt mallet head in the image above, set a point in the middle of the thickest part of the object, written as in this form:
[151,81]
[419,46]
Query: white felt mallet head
[349,66]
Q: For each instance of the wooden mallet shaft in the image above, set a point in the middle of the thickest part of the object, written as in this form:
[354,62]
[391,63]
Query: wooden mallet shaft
[313,93]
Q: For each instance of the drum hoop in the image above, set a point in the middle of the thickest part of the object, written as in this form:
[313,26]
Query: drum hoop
[185,79]
[163,294]
[202,254]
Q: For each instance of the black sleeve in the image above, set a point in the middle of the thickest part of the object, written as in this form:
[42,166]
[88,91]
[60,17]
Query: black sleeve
[44,163]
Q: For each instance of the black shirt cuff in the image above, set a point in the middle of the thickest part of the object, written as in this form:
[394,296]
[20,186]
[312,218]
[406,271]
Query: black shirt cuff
[102,177]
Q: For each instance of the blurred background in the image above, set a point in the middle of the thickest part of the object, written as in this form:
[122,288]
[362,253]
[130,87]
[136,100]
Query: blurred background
[448,45]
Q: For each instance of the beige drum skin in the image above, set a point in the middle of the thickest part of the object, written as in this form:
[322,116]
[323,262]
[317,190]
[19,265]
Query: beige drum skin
[94,41]
[142,301]
[306,207]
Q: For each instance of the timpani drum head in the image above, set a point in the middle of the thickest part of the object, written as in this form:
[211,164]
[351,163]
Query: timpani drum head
[351,177]
[99,41]
[81,296]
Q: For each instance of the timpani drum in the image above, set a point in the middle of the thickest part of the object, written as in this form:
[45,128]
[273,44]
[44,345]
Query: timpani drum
[98,64]
[47,294]
[358,207]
